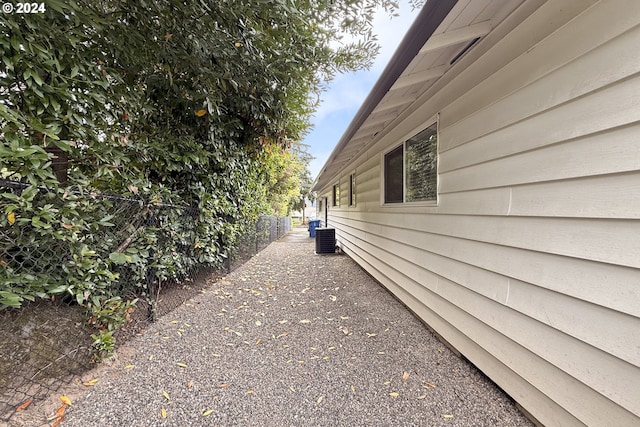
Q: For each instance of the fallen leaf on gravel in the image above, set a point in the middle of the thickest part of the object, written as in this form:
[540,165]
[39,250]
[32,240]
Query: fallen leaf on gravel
[353,389]
[305,321]
[387,382]
[283,321]
[371,335]
[207,412]
[59,413]
[258,323]
[224,385]
[163,413]
[394,394]
[320,399]
[344,317]
[90,382]
[65,400]
[24,405]
[182,365]
[166,396]
[447,416]
[250,392]
[345,330]
[423,396]
[258,341]
[128,367]
[405,376]
[190,384]
[428,385]
[57,422]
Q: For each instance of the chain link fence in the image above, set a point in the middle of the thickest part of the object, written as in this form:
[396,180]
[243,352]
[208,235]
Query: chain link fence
[156,259]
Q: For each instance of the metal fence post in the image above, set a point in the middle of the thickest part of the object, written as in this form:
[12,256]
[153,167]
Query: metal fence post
[152,288]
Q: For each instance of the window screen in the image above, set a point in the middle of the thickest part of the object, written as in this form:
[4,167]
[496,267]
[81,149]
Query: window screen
[421,165]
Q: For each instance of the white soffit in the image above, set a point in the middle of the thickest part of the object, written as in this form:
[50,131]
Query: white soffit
[466,23]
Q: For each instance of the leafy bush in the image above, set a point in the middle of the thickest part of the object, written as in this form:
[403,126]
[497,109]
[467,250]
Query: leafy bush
[192,107]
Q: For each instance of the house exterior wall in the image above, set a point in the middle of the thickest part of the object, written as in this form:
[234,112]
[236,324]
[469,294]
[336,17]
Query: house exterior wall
[529,265]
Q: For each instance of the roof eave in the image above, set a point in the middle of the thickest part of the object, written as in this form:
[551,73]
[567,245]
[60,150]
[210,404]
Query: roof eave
[427,21]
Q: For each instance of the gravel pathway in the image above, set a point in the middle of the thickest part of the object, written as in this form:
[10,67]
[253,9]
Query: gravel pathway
[291,339]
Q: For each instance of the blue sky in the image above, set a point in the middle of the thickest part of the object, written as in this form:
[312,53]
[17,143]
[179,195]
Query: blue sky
[347,91]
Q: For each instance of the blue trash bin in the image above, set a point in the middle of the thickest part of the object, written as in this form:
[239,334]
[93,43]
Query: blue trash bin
[313,224]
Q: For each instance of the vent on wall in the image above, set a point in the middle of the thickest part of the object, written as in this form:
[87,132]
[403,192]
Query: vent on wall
[464,50]
[325,240]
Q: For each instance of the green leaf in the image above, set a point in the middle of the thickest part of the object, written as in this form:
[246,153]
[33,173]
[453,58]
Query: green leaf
[58,289]
[36,78]
[56,5]
[56,105]
[15,43]
[119,258]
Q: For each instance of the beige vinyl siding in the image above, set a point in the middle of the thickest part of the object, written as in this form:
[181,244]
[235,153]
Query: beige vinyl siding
[530,263]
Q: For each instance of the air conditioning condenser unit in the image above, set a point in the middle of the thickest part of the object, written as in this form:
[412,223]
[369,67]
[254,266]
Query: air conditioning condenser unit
[325,240]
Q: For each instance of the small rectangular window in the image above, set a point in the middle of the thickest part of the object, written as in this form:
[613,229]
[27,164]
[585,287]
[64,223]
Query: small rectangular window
[411,169]
[336,195]
[352,189]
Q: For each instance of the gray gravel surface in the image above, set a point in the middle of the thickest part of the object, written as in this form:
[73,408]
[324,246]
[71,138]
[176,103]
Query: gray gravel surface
[291,339]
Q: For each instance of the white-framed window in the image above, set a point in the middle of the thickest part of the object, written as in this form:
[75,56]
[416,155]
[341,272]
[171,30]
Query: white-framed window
[410,170]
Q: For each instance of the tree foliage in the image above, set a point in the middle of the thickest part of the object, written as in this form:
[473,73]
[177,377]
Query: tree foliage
[185,103]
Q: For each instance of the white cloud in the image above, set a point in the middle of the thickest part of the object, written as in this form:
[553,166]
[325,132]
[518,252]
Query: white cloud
[345,94]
